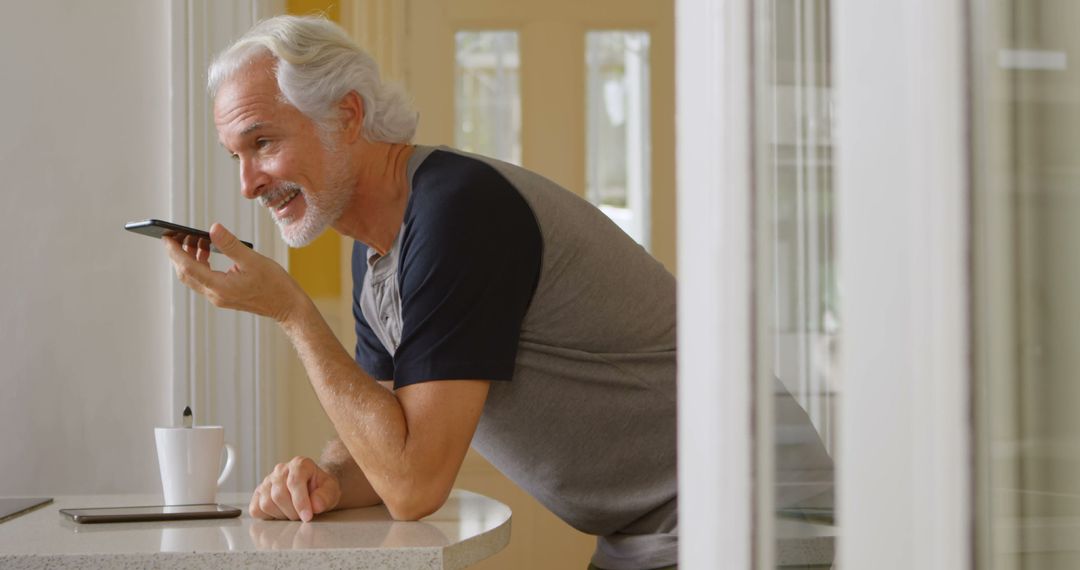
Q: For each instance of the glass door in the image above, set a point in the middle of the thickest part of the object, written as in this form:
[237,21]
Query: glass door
[1026,229]
[796,292]
[858,285]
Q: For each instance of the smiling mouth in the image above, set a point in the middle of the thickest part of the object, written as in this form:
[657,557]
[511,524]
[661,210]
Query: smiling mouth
[279,198]
[285,202]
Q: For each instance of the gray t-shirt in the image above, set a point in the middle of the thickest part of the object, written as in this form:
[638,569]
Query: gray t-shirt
[500,274]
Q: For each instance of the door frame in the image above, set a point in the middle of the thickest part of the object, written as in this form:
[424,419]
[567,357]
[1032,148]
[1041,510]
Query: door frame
[228,366]
[906,434]
[715,241]
[905,444]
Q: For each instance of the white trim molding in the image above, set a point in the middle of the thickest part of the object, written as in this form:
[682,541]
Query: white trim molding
[905,445]
[226,365]
[715,272]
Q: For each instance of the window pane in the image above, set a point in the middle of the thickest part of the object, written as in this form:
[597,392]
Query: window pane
[1026,282]
[617,136]
[487,94]
[798,323]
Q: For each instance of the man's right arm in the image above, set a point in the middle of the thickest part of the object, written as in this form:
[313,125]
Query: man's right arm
[356,491]
[336,460]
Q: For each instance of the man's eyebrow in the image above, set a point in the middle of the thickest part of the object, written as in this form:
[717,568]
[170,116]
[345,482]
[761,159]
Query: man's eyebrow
[252,128]
[247,131]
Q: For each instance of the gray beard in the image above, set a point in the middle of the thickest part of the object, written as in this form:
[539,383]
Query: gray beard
[320,213]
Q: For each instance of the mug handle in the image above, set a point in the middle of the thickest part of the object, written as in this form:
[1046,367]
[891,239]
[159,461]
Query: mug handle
[230,458]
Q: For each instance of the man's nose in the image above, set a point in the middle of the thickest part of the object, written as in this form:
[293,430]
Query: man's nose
[253,181]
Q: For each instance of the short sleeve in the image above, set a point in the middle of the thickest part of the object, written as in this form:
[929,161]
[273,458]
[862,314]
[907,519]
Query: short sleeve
[470,262]
[370,353]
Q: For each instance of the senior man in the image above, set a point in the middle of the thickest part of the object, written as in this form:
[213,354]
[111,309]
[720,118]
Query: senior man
[492,307]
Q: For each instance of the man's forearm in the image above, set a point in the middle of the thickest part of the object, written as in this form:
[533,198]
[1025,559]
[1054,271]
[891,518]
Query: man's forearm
[356,491]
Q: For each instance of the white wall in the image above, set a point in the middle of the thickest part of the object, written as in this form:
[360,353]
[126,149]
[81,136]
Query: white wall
[85,331]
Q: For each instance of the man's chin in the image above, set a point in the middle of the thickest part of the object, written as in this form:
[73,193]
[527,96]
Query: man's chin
[295,240]
[298,234]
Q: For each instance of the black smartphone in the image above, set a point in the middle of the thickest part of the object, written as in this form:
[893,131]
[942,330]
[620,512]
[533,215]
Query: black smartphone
[158,228]
[151,513]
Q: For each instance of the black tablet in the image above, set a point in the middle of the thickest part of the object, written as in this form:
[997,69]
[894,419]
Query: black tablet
[13,507]
[151,513]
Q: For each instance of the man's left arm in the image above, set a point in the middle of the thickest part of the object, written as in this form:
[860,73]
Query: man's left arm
[410,443]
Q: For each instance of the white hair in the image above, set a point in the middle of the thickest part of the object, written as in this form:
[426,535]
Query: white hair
[316,65]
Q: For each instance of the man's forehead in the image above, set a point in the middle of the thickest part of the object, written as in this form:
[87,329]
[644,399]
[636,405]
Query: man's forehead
[252,85]
[244,116]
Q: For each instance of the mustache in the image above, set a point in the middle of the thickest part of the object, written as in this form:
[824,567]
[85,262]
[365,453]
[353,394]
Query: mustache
[279,191]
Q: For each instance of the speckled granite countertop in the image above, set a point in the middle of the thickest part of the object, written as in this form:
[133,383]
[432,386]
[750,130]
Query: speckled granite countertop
[467,529]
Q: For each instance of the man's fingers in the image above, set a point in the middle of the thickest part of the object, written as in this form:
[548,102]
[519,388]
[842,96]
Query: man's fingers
[266,501]
[253,507]
[203,253]
[197,247]
[227,243]
[268,506]
[297,490]
[190,271]
[263,504]
[254,284]
[279,492]
[297,482]
[284,501]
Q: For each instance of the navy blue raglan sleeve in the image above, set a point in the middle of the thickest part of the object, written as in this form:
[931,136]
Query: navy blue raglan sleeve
[471,255]
[370,353]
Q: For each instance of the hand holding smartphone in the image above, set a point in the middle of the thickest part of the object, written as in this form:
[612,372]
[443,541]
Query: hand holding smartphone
[158,228]
[253,283]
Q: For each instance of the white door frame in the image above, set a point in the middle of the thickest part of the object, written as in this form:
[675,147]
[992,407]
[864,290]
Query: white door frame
[715,392]
[905,440]
[228,366]
[906,445]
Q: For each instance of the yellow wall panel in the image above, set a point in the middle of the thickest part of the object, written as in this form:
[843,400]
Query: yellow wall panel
[332,10]
[317,267]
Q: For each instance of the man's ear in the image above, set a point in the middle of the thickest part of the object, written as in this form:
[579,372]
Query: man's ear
[351,114]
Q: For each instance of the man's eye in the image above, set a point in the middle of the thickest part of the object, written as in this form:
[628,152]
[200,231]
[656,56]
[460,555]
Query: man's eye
[261,143]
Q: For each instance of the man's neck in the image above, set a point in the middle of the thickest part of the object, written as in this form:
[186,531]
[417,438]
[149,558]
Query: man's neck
[380,195]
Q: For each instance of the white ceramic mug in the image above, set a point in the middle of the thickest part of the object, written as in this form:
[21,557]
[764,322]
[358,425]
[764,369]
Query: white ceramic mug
[190,462]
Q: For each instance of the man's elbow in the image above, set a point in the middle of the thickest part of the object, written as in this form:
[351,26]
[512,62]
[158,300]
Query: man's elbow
[412,506]
[411,510]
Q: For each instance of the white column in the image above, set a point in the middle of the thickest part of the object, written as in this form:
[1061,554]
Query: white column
[905,436]
[227,364]
[714,245]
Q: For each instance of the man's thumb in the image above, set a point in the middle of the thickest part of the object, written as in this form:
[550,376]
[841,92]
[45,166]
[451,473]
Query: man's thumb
[226,242]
